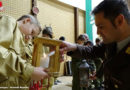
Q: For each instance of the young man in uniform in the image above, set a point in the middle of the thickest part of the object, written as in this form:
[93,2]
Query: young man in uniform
[112,19]
[14,70]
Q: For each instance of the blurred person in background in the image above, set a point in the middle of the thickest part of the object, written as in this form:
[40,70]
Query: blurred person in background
[76,63]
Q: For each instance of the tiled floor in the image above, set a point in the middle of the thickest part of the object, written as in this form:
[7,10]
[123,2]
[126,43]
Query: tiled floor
[66,83]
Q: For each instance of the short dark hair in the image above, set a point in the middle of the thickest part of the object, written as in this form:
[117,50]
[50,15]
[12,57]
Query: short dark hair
[81,37]
[62,38]
[97,40]
[112,8]
[48,31]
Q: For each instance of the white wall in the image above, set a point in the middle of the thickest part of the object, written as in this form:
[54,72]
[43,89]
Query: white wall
[94,29]
[76,3]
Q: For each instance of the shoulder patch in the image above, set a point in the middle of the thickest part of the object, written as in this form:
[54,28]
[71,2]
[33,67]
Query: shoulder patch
[128,50]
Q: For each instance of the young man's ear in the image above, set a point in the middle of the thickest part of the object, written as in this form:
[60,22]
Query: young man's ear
[119,20]
[26,20]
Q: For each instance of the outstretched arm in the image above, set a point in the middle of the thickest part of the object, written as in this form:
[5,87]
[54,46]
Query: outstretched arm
[79,51]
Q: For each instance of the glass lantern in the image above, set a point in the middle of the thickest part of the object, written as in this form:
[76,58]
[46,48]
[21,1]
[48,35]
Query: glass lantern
[49,61]
[84,74]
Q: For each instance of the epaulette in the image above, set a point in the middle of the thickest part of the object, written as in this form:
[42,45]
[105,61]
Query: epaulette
[128,49]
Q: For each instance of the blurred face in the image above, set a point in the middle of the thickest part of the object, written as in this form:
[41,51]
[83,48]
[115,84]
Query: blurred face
[105,29]
[45,35]
[88,44]
[98,43]
[28,29]
[80,42]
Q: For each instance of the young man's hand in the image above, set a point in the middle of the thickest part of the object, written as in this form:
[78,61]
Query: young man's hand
[67,46]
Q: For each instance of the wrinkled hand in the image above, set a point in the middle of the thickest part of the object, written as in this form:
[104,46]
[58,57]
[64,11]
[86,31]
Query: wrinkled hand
[39,73]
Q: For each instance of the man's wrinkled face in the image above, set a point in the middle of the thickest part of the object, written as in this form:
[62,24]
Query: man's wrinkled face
[29,30]
[105,28]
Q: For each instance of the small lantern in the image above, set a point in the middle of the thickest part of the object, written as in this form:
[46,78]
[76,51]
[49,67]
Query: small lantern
[54,64]
[84,74]
[52,59]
